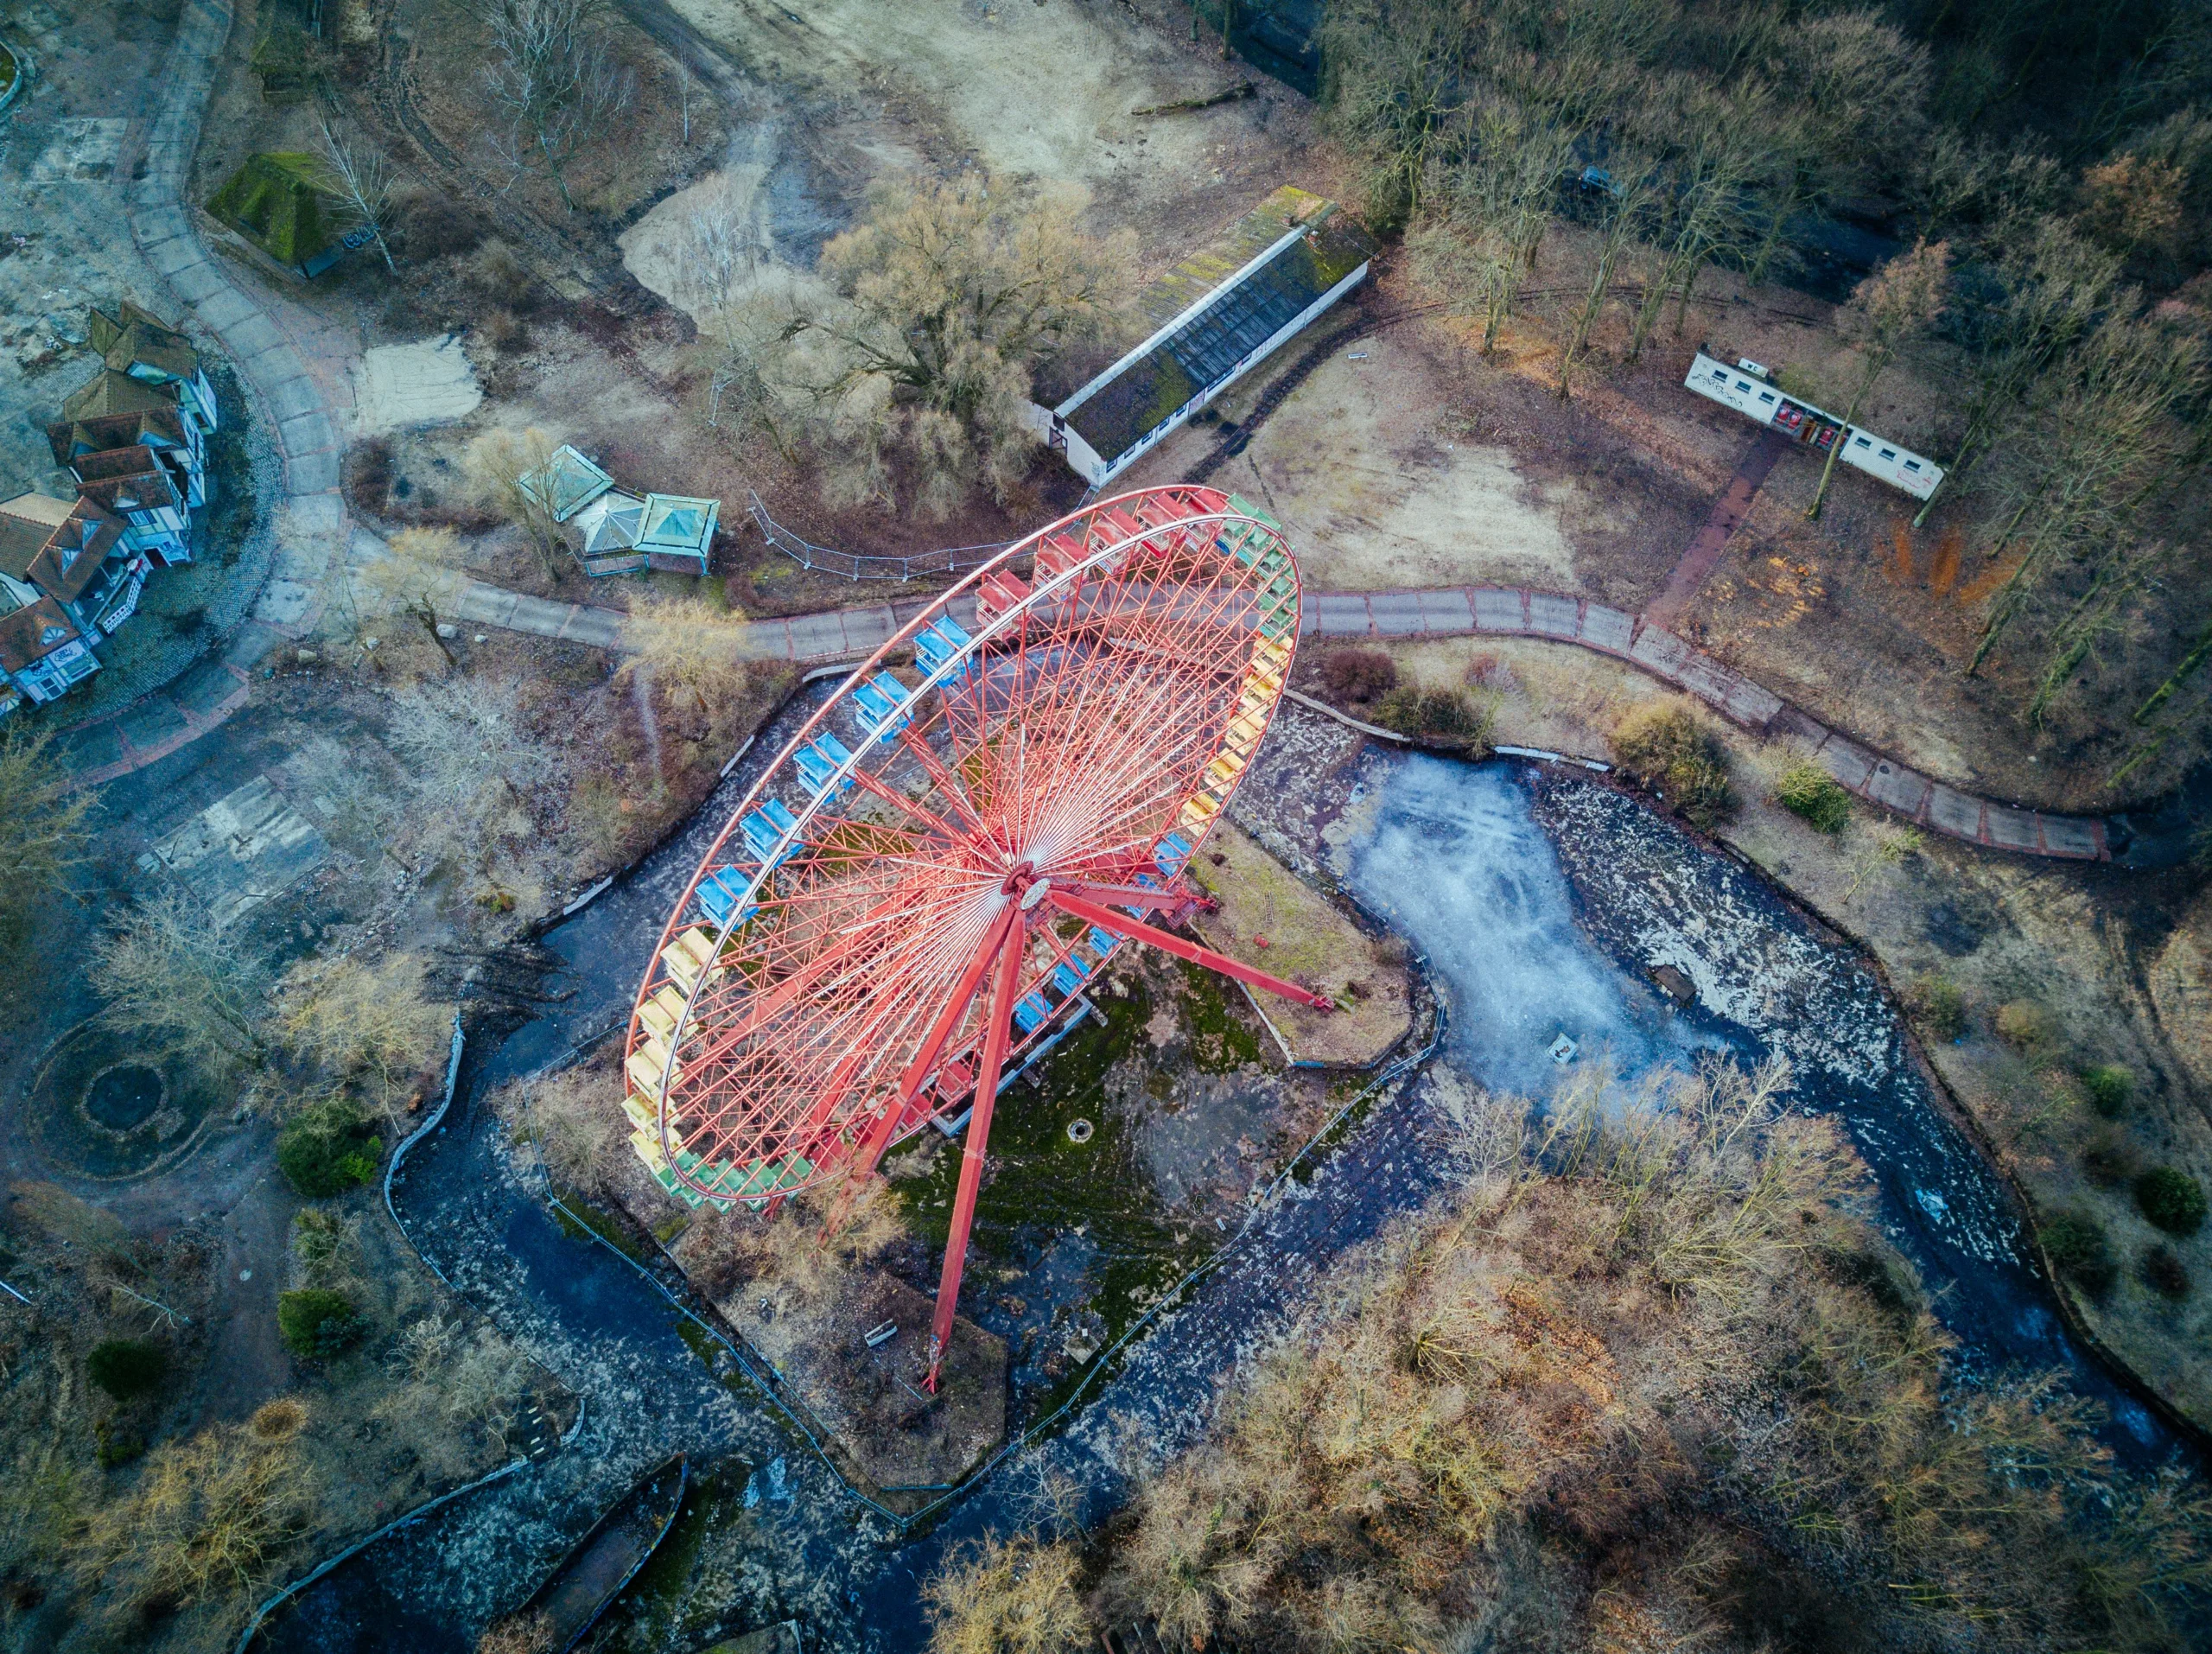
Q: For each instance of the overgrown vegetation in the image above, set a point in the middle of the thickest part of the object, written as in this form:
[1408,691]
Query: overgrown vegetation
[1360,675]
[1448,716]
[1637,1382]
[1664,746]
[328,1149]
[1808,791]
[317,1324]
[2052,211]
[914,384]
[2172,1199]
[41,821]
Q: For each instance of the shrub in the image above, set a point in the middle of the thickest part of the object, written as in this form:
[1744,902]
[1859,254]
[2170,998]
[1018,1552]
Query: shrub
[2025,1026]
[1358,674]
[2172,1199]
[1807,790]
[2109,1088]
[1665,747]
[1449,715]
[1939,1004]
[1001,1597]
[127,1368]
[316,1325]
[2075,1242]
[2109,1159]
[329,1149]
[2164,1272]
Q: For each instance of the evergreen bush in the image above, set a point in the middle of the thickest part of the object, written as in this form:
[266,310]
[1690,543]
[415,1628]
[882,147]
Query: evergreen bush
[316,1324]
[2172,1199]
[2075,1243]
[328,1148]
[127,1368]
[1808,791]
[2109,1088]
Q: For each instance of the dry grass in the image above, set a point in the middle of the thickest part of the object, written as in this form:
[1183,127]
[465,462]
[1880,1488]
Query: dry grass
[203,1520]
[1646,1329]
[1007,1597]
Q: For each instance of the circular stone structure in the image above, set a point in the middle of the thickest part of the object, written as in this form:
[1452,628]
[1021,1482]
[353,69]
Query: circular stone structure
[903,906]
[103,1108]
[123,1097]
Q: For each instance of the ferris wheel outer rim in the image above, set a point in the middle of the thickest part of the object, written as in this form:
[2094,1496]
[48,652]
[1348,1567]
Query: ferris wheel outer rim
[899,642]
[937,606]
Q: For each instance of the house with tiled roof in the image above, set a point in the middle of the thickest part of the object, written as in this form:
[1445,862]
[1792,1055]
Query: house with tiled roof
[83,565]
[133,486]
[138,343]
[172,439]
[42,651]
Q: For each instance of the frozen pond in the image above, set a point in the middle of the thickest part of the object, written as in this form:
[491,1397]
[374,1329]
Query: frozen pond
[1448,854]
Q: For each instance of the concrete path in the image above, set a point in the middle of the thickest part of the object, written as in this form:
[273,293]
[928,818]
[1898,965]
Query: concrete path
[1443,612]
[1728,513]
[310,519]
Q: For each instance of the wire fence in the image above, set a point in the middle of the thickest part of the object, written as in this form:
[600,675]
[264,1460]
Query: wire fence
[949,560]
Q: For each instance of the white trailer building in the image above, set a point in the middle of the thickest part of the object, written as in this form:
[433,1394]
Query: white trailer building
[1751,390]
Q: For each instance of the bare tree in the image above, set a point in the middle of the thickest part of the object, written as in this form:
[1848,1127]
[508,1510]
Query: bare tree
[717,253]
[41,819]
[167,975]
[358,1022]
[1901,299]
[1392,76]
[501,462]
[1624,202]
[418,576]
[554,80]
[361,176]
[949,297]
[2056,286]
[1481,248]
[2104,439]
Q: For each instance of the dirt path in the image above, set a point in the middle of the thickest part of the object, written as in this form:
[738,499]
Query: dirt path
[1712,542]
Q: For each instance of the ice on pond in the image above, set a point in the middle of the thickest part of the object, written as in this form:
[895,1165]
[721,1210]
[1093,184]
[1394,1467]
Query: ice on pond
[1456,863]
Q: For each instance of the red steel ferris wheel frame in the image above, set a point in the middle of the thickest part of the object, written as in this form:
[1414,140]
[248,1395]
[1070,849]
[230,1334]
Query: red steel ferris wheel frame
[926,866]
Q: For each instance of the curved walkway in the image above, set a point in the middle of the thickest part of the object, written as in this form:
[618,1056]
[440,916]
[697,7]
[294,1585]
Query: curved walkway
[313,530]
[1443,612]
[311,522]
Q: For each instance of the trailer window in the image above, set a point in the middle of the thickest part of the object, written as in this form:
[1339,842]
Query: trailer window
[1863,441]
[1889,453]
[1766,396]
[1720,373]
[1742,385]
[1912,464]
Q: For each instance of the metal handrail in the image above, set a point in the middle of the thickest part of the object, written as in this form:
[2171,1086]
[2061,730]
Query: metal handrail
[949,560]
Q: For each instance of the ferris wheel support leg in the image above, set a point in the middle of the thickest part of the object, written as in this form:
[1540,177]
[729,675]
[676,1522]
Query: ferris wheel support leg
[973,1146]
[919,1070]
[1167,942]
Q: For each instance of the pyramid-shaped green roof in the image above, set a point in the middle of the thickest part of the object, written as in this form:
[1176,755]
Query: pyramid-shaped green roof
[281,204]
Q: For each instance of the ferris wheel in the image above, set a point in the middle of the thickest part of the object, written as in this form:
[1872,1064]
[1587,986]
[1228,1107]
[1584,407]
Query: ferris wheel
[916,894]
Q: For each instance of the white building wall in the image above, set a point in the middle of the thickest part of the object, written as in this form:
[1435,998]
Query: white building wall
[1758,400]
